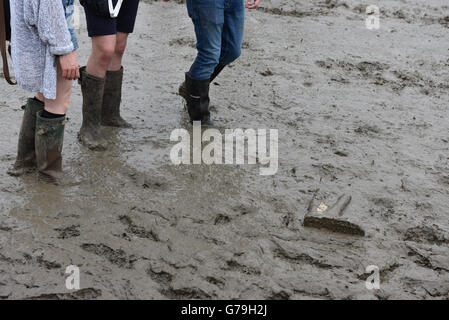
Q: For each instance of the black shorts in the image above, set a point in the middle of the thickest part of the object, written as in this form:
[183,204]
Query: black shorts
[102,26]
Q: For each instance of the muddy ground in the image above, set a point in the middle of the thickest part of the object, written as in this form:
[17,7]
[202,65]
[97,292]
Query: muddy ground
[359,112]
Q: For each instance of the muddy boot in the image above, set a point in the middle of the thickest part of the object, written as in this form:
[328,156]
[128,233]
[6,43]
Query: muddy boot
[110,112]
[198,100]
[92,89]
[182,91]
[49,140]
[26,155]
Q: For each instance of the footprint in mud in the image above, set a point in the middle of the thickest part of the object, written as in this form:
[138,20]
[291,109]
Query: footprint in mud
[327,171]
[290,255]
[384,207]
[267,73]
[367,130]
[222,219]
[426,234]
[216,282]
[183,42]
[385,272]
[68,232]
[232,265]
[365,70]
[187,293]
[116,257]
[138,231]
[147,182]
[162,278]
[444,181]
[39,260]
[279,295]
[243,210]
[82,294]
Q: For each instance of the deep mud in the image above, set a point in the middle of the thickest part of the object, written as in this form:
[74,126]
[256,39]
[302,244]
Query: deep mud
[359,112]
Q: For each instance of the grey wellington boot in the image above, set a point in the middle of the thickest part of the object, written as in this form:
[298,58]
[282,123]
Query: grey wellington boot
[26,155]
[110,112]
[49,141]
[92,89]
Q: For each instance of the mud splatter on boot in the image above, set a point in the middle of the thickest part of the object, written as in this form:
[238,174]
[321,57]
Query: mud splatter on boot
[26,154]
[49,142]
[110,112]
[92,89]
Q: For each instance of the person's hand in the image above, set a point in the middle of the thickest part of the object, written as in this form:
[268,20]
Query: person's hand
[69,66]
[252,4]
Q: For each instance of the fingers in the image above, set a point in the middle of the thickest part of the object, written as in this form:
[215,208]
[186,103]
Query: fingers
[71,73]
[65,72]
[253,4]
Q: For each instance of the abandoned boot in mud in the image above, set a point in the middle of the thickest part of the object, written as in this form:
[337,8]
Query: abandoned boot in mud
[182,91]
[92,89]
[26,154]
[49,141]
[198,100]
[110,112]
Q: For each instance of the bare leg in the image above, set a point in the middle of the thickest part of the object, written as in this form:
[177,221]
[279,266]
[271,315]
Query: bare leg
[59,105]
[50,132]
[112,98]
[103,50]
[120,46]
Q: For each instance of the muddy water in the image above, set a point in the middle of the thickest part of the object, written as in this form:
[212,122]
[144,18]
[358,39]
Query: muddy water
[359,112]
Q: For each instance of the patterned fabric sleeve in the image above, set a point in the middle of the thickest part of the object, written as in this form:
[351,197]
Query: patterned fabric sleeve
[48,16]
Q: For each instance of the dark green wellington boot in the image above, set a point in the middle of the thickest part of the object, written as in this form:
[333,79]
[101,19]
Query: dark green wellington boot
[49,141]
[110,112]
[198,100]
[182,91]
[26,155]
[92,89]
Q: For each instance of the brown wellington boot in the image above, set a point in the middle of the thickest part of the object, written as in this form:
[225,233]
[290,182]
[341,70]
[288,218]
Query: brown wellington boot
[49,141]
[26,155]
[92,89]
[110,112]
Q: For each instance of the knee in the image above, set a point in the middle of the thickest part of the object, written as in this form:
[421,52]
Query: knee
[210,57]
[105,54]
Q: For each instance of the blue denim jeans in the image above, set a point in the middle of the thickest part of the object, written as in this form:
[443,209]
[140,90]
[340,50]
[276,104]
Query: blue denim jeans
[219,28]
[69,8]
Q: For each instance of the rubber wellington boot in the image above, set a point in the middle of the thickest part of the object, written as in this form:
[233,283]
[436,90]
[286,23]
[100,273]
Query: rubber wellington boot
[110,112]
[182,91]
[49,141]
[198,100]
[92,89]
[26,154]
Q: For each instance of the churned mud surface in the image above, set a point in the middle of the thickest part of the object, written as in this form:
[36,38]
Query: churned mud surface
[360,113]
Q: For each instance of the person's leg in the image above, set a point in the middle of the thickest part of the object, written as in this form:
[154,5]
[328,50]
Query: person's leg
[26,152]
[103,51]
[92,79]
[234,22]
[208,19]
[60,105]
[50,125]
[120,47]
[110,112]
